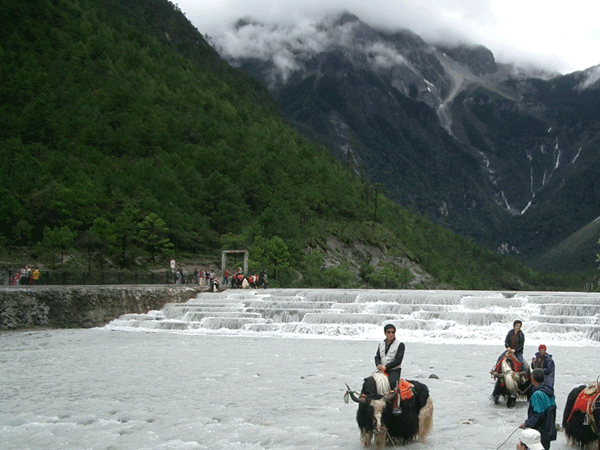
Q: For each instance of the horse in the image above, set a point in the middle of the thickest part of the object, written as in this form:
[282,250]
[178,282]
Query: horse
[511,384]
[581,417]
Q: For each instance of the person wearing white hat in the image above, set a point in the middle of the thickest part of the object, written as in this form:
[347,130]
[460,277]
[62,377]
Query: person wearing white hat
[530,440]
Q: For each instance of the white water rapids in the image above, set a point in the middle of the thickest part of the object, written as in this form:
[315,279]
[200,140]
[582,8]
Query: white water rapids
[267,369]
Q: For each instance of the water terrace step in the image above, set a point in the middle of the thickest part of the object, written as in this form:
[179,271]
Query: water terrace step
[268,303]
[232,323]
[155,324]
[570,309]
[177,311]
[589,331]
[194,316]
[368,296]
[471,314]
[320,318]
[290,315]
[586,320]
[387,308]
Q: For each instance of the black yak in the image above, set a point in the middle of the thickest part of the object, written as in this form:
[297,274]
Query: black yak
[378,419]
[581,417]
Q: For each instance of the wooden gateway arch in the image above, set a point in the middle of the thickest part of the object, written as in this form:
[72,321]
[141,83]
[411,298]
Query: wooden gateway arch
[224,259]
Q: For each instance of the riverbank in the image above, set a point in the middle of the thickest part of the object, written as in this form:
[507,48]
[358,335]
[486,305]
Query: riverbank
[23,307]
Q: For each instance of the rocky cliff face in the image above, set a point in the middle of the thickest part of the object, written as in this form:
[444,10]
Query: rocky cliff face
[82,306]
[480,147]
[479,60]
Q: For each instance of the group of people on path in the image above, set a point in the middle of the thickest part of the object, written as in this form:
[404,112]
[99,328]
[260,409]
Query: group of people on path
[539,429]
[201,277]
[204,277]
[25,276]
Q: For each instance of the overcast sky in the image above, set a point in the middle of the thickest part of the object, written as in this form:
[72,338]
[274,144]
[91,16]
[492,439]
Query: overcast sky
[562,36]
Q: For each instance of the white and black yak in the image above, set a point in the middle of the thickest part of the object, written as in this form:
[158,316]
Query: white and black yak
[377,418]
[510,383]
[581,417]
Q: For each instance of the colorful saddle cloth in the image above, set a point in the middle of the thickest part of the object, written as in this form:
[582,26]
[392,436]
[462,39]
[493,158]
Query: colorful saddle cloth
[585,400]
[517,366]
[406,389]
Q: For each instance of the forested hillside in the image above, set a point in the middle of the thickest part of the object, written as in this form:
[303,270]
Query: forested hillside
[124,136]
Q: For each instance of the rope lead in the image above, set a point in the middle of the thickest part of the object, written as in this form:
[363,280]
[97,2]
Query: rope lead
[507,438]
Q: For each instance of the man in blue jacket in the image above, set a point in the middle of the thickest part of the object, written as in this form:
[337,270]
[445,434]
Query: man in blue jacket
[541,414]
[544,361]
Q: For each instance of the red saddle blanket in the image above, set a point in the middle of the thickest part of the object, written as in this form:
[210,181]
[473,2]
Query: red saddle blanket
[405,389]
[515,364]
[585,400]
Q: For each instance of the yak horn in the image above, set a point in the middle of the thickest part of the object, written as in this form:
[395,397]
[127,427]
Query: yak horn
[354,397]
[391,396]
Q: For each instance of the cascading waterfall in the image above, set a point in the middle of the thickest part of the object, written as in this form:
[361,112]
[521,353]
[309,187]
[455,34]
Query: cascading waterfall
[477,316]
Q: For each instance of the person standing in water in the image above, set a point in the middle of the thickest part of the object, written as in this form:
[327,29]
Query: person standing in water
[544,361]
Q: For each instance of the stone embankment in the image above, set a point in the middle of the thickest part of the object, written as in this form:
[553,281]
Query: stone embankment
[83,306]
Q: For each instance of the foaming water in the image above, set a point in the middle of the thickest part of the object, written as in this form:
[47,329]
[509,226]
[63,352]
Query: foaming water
[454,317]
[103,389]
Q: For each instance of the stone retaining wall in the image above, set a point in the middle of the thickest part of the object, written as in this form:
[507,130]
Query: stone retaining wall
[83,306]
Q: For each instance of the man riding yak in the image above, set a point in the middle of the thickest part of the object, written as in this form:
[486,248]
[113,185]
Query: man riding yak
[391,409]
[511,373]
[388,358]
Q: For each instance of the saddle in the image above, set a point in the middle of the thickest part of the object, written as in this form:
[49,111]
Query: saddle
[405,389]
[585,402]
[516,365]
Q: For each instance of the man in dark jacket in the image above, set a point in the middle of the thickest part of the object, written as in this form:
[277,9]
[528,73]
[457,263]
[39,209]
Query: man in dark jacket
[541,414]
[388,359]
[514,343]
[544,361]
[390,353]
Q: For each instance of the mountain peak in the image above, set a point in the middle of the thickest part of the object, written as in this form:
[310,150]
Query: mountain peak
[345,18]
[478,59]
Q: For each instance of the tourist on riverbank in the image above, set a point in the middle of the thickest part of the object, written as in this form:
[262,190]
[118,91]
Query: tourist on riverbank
[226,278]
[35,275]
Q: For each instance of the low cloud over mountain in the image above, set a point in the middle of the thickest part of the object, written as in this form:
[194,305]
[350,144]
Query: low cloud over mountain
[483,147]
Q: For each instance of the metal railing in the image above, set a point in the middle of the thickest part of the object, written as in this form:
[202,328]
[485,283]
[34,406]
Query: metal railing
[63,277]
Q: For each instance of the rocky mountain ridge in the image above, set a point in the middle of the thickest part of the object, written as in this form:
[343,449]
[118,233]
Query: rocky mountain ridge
[493,151]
